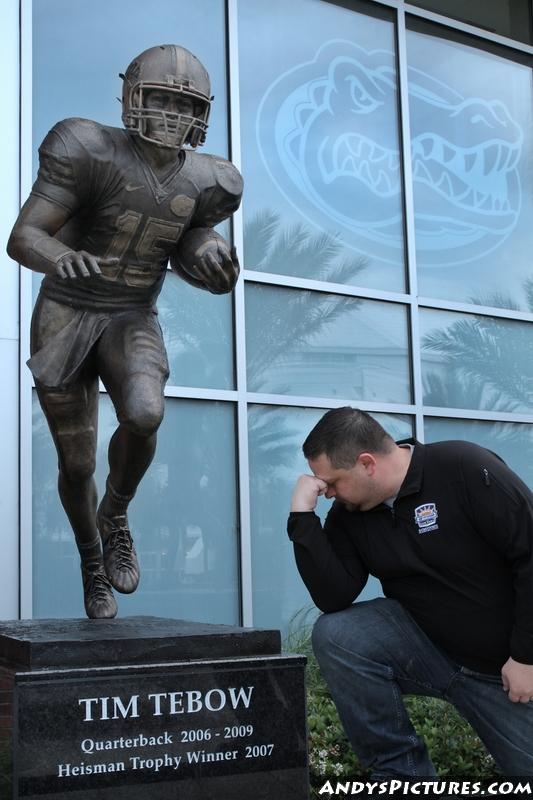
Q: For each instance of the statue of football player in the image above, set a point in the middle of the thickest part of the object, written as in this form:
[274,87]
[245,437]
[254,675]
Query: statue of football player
[108,210]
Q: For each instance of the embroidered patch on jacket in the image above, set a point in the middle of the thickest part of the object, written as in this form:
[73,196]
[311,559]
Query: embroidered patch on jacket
[426,517]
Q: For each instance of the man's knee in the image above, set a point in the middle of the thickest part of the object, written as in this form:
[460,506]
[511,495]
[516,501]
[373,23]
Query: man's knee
[328,631]
[321,634]
[358,628]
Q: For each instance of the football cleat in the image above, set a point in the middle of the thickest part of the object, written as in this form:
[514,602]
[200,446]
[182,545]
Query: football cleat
[97,594]
[120,558]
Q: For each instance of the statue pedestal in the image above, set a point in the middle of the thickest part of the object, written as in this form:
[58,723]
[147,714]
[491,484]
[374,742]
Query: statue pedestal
[147,707]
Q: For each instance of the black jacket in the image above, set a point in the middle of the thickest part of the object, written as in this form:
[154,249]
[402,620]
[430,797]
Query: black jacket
[456,550]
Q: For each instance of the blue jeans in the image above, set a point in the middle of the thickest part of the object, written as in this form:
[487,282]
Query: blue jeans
[373,653]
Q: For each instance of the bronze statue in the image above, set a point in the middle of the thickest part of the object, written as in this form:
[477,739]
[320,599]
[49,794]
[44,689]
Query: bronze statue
[109,208]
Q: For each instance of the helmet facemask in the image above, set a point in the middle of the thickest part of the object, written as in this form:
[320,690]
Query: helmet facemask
[175,129]
[173,71]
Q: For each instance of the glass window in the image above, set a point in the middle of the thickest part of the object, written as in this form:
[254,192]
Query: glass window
[198,332]
[472,148]
[276,460]
[320,149]
[183,520]
[512,441]
[471,361]
[510,18]
[312,343]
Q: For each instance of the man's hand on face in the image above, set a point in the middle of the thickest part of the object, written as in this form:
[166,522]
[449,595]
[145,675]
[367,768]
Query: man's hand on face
[81,265]
[306,493]
[518,681]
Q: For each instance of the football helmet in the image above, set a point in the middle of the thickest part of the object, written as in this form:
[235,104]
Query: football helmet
[171,69]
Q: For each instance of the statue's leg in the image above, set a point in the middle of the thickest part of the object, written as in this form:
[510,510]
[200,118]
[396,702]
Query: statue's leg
[72,418]
[133,365]
[72,415]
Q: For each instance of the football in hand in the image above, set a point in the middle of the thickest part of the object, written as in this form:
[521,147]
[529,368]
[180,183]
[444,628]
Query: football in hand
[189,261]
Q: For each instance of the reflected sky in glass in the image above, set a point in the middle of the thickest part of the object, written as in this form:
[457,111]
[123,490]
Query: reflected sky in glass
[276,460]
[477,362]
[512,441]
[320,148]
[183,520]
[311,343]
[471,119]
[80,48]
[198,333]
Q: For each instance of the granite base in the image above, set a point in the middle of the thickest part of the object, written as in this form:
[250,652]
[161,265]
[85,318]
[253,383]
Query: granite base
[149,707]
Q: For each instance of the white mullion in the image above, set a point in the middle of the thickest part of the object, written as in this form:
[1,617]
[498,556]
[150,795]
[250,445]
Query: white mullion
[293,282]
[471,308]
[193,393]
[10,506]
[476,414]
[414,317]
[295,401]
[245,538]
[263,398]
[26,381]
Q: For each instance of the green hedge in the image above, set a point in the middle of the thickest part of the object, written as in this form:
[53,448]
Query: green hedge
[455,749]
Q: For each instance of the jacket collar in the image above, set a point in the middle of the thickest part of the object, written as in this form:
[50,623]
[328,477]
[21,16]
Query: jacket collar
[412,482]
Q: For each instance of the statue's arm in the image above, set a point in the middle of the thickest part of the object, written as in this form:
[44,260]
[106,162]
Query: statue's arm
[32,242]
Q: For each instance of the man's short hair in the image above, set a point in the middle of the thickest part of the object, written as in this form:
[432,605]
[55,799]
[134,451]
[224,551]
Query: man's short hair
[343,434]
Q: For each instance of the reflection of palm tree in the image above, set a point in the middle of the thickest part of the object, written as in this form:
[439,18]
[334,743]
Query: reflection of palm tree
[196,331]
[303,314]
[282,328]
[202,492]
[451,391]
[295,251]
[528,289]
[273,439]
[275,433]
[486,366]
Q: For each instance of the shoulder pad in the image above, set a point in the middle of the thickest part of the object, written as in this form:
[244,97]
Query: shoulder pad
[214,171]
[93,137]
[228,176]
[220,185]
[66,157]
[55,165]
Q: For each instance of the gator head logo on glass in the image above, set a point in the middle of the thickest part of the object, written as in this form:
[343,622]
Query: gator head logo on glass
[327,133]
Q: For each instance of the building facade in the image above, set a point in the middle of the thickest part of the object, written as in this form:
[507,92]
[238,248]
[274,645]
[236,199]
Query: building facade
[385,236]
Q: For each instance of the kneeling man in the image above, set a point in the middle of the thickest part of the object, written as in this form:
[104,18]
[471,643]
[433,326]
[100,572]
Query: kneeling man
[448,530]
